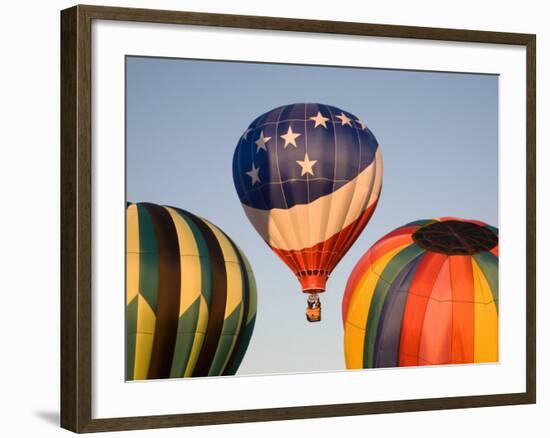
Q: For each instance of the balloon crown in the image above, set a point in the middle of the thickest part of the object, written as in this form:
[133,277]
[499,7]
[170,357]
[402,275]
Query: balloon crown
[453,237]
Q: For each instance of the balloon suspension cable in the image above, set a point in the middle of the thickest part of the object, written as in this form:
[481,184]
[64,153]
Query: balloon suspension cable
[313,310]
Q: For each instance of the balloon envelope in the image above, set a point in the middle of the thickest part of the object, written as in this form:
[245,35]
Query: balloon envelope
[424,294]
[308,177]
[190,296]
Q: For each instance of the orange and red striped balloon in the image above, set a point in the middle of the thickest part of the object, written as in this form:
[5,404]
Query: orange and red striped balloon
[424,294]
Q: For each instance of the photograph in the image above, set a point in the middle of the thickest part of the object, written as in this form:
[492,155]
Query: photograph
[274,219]
[288,218]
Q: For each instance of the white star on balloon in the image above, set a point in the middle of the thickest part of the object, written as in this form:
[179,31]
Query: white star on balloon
[261,142]
[361,123]
[290,137]
[319,120]
[306,165]
[345,119]
[254,174]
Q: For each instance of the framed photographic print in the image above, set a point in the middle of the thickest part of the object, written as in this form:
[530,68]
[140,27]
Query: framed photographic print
[304,218]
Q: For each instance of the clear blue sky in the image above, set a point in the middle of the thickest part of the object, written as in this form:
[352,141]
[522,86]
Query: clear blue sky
[439,137]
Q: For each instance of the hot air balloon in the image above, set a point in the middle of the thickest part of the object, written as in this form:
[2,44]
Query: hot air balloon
[190,296]
[308,177]
[424,294]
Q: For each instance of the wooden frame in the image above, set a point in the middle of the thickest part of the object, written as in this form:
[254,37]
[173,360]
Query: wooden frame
[76,168]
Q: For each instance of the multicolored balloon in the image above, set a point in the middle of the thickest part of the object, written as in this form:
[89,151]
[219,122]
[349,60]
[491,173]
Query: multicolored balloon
[424,294]
[190,296]
[308,177]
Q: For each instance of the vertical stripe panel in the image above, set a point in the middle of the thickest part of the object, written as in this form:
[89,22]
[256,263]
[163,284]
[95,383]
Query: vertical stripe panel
[486,319]
[146,322]
[234,359]
[190,263]
[190,292]
[252,289]
[148,258]
[353,345]
[488,263]
[435,343]
[131,334]
[463,309]
[233,307]
[415,309]
[168,298]
[148,290]
[233,272]
[132,253]
[198,340]
[132,287]
[227,342]
[206,291]
[388,276]
[187,326]
[218,299]
[386,349]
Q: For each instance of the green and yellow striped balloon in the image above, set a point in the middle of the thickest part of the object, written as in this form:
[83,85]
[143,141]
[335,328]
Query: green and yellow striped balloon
[190,296]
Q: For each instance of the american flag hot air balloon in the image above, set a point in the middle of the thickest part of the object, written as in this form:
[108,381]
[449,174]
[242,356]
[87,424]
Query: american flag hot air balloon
[308,177]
